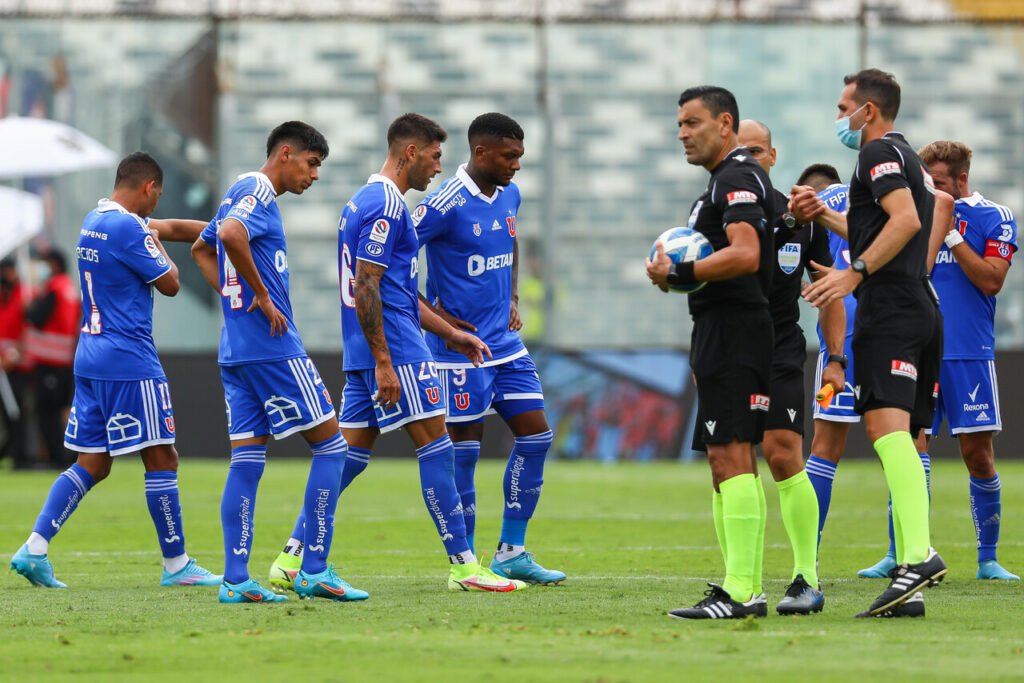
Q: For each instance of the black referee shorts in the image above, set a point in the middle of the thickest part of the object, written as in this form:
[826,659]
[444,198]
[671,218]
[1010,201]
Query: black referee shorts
[786,386]
[897,350]
[731,357]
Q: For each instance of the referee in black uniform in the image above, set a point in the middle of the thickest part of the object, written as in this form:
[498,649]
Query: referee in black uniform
[795,246]
[730,350]
[897,336]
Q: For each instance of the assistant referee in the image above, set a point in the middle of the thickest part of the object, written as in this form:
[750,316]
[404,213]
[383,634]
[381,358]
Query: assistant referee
[897,337]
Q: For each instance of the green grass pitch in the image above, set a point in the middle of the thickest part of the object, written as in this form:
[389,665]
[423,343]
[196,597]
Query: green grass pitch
[635,540]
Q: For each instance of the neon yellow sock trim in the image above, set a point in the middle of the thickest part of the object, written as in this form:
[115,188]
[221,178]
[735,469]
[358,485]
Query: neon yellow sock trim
[800,517]
[904,473]
[740,520]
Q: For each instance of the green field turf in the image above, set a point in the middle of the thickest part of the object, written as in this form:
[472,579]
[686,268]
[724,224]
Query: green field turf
[635,540]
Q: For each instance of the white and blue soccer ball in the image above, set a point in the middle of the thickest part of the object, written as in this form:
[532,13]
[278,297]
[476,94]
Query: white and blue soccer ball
[683,244]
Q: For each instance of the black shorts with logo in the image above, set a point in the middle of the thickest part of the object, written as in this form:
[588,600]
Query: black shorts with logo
[731,357]
[897,349]
[787,399]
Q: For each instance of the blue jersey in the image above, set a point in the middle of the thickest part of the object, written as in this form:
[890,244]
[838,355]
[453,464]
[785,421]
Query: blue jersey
[117,262]
[835,197]
[991,231]
[469,239]
[245,337]
[375,228]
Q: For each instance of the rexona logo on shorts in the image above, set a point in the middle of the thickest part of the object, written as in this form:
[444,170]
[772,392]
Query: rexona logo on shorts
[885,168]
[759,402]
[741,197]
[902,368]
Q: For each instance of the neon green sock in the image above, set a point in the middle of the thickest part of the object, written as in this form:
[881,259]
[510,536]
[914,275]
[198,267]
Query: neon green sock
[909,491]
[800,516]
[762,505]
[716,511]
[740,520]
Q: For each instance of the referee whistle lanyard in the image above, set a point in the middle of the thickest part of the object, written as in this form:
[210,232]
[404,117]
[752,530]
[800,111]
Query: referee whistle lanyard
[850,138]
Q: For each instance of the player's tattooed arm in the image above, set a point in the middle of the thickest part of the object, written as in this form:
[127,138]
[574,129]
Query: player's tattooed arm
[515,323]
[177,229]
[370,312]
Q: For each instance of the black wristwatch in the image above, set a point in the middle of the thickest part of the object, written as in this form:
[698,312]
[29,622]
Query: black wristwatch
[858,266]
[839,358]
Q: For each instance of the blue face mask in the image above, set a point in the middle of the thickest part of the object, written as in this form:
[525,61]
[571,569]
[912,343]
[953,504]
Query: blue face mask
[850,138]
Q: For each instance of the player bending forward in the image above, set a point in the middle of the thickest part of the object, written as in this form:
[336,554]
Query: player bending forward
[122,400]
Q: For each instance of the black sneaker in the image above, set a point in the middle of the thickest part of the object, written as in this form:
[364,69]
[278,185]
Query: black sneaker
[717,604]
[913,607]
[907,580]
[800,598]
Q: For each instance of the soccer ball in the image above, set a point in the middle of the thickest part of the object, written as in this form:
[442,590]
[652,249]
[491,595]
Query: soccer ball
[683,244]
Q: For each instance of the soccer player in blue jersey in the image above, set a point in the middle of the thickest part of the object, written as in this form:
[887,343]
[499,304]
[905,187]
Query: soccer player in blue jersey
[969,272]
[392,379]
[270,385]
[469,229]
[122,401]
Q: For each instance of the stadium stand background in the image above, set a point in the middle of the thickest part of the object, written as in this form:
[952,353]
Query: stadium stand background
[594,83]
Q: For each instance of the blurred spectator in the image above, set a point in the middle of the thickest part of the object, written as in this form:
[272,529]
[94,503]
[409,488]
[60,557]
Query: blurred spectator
[15,367]
[54,318]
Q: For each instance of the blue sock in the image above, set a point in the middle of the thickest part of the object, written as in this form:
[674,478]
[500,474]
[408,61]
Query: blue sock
[821,472]
[355,463]
[237,509]
[524,479]
[466,455]
[437,479]
[985,510]
[322,500]
[165,509]
[66,493]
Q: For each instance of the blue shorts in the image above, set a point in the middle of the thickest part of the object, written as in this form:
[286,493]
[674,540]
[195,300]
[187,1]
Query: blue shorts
[968,397]
[508,389]
[277,397]
[421,398]
[841,409]
[119,417]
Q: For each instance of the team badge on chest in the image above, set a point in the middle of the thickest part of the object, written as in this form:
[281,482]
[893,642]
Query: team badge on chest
[789,257]
[477,230]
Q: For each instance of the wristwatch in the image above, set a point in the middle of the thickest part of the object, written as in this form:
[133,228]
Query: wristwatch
[858,266]
[839,358]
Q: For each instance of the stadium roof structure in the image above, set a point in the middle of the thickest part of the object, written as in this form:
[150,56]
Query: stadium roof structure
[531,10]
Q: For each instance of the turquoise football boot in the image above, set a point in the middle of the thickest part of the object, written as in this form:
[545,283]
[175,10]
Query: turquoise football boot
[36,568]
[881,569]
[191,575]
[524,567]
[247,591]
[990,569]
[326,584]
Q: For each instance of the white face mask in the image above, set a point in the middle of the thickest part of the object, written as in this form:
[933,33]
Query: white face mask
[43,271]
[850,138]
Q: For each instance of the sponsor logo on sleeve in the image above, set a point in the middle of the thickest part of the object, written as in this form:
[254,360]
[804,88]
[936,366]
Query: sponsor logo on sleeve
[418,214]
[885,168]
[151,247]
[379,231]
[903,368]
[741,197]
[374,249]
[244,207]
[759,402]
